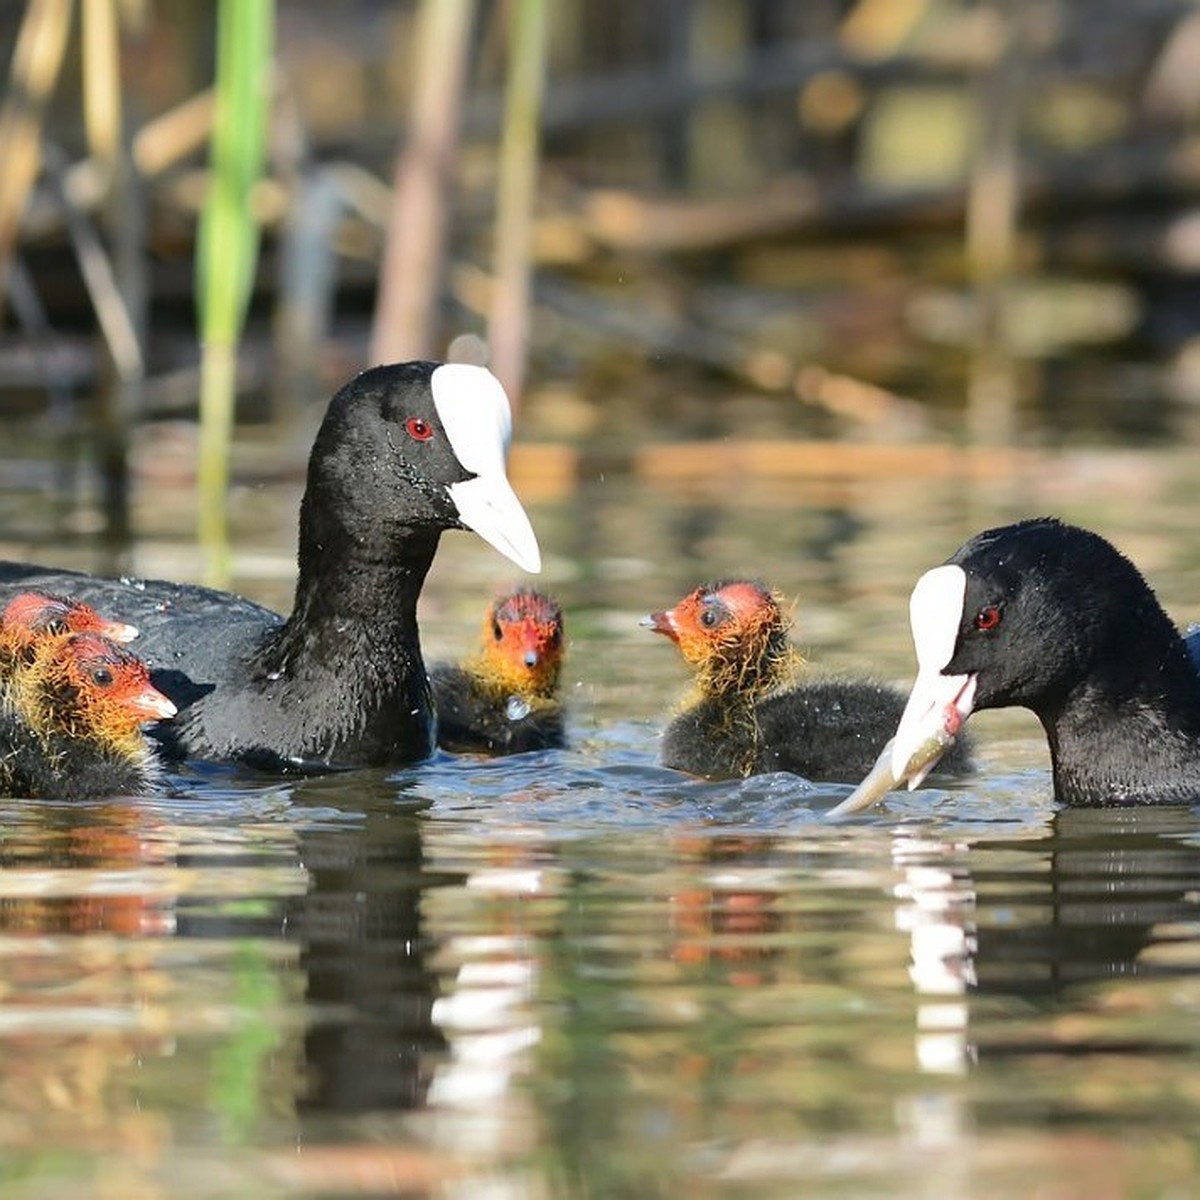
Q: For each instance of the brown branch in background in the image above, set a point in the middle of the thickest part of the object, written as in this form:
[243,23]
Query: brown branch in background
[993,191]
[170,137]
[112,112]
[404,325]
[37,60]
[95,265]
[508,320]
[101,82]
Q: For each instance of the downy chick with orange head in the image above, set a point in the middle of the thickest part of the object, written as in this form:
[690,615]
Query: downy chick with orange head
[505,699]
[30,615]
[747,715]
[72,704]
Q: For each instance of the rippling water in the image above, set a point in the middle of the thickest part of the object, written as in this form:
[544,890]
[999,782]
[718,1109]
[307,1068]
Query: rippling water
[576,973]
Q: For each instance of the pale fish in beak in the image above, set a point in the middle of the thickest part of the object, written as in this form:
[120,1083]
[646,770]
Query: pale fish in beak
[928,738]
[938,705]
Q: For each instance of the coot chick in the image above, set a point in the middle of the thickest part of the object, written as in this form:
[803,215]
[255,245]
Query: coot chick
[741,719]
[1050,617]
[71,710]
[505,699]
[404,452]
[30,615]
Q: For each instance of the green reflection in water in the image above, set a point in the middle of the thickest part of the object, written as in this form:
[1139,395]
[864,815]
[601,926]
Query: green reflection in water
[239,1066]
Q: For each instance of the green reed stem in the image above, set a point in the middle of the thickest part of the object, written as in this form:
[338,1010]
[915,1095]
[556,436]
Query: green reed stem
[228,250]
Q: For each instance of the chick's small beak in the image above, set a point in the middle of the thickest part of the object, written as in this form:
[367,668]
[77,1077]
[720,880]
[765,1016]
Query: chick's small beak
[661,622]
[151,704]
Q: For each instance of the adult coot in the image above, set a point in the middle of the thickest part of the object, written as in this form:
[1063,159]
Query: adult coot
[404,452]
[505,699]
[71,710]
[1049,617]
[746,715]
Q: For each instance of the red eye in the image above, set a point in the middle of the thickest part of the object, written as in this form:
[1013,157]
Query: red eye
[419,429]
[987,618]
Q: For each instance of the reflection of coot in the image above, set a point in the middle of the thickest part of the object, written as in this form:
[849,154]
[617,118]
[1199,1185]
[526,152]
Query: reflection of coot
[1084,905]
[371,1042]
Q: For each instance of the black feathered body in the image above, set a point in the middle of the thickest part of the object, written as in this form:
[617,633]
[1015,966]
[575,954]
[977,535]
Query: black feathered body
[343,685]
[71,766]
[1084,643]
[823,729]
[473,717]
[341,681]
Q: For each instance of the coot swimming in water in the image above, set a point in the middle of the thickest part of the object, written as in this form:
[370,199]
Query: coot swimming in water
[404,452]
[71,710]
[742,720]
[505,699]
[1050,617]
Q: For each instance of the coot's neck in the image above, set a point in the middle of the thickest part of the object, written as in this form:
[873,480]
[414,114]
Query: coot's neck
[1130,732]
[739,682]
[351,646]
[354,599]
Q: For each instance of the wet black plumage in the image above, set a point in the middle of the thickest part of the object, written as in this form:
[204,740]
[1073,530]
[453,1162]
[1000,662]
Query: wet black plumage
[1082,641]
[341,681]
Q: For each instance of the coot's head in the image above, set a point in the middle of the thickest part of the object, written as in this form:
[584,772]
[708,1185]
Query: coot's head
[31,614]
[416,446]
[734,632]
[85,684]
[1039,615]
[523,643]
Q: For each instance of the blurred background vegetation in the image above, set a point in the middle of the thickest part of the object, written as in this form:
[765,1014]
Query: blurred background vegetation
[848,221]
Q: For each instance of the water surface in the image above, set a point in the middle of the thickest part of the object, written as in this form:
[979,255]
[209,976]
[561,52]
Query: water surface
[577,973]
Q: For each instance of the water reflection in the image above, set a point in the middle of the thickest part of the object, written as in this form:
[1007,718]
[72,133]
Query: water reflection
[1115,889]
[363,954]
[578,973]
[1008,936]
[106,1001]
[936,908]
[573,1007]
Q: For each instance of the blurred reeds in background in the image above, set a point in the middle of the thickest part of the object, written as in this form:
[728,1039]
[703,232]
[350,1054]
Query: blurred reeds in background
[227,249]
[850,220]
